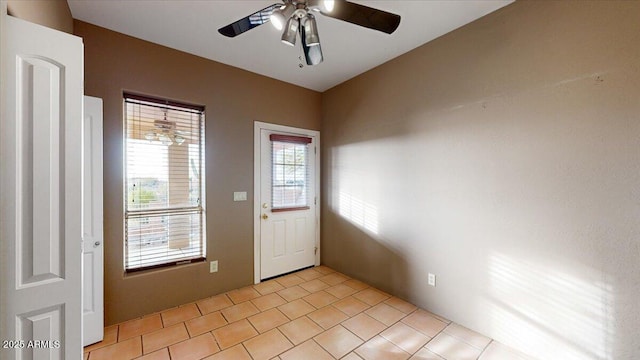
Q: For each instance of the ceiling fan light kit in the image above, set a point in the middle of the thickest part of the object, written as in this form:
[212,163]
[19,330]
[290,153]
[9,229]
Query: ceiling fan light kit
[279,16]
[294,17]
[290,32]
[165,132]
[311,36]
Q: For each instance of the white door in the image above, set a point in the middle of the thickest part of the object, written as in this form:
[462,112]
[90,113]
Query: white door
[92,288]
[287,200]
[40,190]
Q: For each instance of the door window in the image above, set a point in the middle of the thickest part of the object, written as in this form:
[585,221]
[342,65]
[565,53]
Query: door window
[290,172]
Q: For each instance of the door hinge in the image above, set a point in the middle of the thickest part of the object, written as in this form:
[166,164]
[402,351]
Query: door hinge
[315,201]
[315,250]
[315,150]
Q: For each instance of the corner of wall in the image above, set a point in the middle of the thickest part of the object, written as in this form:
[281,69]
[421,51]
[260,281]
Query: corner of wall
[54,14]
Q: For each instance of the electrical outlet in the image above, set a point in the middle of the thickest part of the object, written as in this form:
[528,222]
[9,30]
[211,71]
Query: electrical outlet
[431,279]
[213,266]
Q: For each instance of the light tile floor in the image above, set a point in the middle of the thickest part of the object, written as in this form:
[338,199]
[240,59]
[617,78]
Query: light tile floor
[315,313]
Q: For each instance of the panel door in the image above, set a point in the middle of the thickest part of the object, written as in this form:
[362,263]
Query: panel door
[92,225]
[40,187]
[287,201]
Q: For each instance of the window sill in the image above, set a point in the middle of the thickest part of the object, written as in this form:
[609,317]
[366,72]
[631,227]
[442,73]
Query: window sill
[164,268]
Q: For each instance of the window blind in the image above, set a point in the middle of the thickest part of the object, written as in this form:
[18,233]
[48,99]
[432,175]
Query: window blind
[164,213]
[290,172]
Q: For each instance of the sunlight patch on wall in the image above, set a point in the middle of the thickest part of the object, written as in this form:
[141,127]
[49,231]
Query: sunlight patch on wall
[358,212]
[356,185]
[548,313]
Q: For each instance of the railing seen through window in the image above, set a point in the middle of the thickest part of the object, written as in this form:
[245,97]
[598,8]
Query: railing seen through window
[164,213]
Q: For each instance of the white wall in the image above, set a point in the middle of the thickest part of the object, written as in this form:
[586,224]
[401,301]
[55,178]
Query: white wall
[505,158]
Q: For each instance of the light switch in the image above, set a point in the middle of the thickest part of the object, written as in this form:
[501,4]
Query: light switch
[240,196]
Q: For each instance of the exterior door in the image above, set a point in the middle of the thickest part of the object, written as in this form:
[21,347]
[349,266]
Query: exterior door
[288,200]
[40,192]
[92,225]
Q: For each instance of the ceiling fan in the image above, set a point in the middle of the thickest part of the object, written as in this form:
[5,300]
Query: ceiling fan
[295,17]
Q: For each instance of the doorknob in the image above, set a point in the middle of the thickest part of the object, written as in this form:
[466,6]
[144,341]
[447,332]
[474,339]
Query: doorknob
[96,244]
[265,216]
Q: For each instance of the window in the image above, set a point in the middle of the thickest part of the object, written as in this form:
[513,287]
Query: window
[164,213]
[290,177]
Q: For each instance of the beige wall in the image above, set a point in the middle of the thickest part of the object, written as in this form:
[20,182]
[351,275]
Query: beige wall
[503,157]
[51,13]
[234,99]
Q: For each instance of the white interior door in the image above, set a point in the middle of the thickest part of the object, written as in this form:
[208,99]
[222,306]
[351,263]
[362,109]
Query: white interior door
[287,200]
[41,201]
[92,224]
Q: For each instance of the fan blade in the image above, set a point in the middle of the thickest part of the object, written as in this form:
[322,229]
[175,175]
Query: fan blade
[245,24]
[364,16]
[312,54]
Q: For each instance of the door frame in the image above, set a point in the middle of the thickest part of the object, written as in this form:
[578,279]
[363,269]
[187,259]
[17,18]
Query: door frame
[257,178]
[35,307]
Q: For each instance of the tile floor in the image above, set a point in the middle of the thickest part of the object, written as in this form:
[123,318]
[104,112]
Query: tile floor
[315,313]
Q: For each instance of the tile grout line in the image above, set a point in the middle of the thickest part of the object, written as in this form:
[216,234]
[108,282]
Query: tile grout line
[485,348]
[142,346]
[466,342]
[317,343]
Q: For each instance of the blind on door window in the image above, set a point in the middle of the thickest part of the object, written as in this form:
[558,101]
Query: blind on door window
[164,178]
[290,185]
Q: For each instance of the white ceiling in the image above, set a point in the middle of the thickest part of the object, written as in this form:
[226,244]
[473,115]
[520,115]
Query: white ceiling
[349,50]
